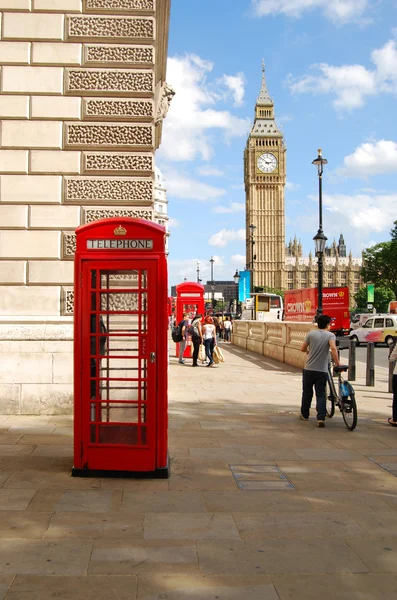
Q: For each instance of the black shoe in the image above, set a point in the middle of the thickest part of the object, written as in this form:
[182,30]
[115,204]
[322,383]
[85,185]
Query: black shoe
[196,365]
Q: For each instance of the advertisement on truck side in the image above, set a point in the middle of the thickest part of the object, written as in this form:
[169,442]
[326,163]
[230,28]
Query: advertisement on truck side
[301,306]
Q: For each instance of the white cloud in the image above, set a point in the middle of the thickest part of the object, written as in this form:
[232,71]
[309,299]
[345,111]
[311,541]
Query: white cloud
[208,171]
[182,186]
[292,187]
[351,84]
[363,212]
[223,237]
[371,159]
[172,223]
[338,11]
[193,117]
[234,207]
[238,259]
[234,84]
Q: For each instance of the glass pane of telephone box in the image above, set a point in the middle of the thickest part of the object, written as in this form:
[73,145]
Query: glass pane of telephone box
[120,279]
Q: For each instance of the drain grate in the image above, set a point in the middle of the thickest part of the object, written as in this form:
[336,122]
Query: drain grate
[390,467]
[260,477]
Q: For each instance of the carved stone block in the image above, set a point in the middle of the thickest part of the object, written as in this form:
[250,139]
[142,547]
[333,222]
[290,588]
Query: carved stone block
[99,6]
[67,301]
[121,136]
[117,110]
[123,163]
[98,54]
[94,214]
[111,190]
[68,245]
[126,29]
[108,81]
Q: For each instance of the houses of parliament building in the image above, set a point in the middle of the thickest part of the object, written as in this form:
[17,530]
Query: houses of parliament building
[275,264]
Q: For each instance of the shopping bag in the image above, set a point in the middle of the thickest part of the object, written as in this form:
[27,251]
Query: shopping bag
[201,354]
[215,357]
[219,354]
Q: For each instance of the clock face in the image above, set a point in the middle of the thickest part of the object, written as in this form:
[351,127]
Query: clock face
[267,163]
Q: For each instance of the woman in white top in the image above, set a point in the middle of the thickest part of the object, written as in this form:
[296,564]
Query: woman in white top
[393,356]
[209,338]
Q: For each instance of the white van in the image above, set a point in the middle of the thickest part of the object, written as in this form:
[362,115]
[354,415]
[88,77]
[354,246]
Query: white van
[380,329]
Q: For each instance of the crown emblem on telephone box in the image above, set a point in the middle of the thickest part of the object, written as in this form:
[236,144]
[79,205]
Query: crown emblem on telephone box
[120,230]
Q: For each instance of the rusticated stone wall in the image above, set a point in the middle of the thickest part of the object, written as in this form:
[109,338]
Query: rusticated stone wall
[82,98]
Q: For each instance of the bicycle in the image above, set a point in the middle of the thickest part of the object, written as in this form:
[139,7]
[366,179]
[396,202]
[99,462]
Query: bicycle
[344,399]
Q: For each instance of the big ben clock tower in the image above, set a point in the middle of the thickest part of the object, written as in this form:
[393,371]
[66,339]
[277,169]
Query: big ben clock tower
[264,178]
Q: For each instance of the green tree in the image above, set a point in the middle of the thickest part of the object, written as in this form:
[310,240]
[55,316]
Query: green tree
[380,264]
[269,290]
[382,297]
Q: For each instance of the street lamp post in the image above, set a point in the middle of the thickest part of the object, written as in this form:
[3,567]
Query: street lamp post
[236,278]
[253,256]
[198,272]
[319,238]
[212,281]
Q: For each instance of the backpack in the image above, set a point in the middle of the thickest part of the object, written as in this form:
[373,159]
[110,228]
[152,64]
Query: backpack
[193,329]
[176,333]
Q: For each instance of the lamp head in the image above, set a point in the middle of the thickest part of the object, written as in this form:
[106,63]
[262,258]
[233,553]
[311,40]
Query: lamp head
[319,161]
[236,276]
[319,242]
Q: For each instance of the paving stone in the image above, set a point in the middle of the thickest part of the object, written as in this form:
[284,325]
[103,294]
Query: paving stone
[41,440]
[323,482]
[367,586]
[120,557]
[135,485]
[15,499]
[302,467]
[92,587]
[278,556]
[5,582]
[7,438]
[380,555]
[168,502]
[343,501]
[253,501]
[23,524]
[15,450]
[4,475]
[284,525]
[54,450]
[327,454]
[49,478]
[43,557]
[97,525]
[197,587]
[381,481]
[84,500]
[198,526]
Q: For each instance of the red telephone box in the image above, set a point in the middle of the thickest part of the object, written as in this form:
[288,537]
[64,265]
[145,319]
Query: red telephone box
[190,300]
[120,349]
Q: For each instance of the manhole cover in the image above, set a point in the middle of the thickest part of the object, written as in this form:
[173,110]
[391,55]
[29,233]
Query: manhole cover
[260,477]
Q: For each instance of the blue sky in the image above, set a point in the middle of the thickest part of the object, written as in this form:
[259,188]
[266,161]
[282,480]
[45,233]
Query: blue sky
[331,69]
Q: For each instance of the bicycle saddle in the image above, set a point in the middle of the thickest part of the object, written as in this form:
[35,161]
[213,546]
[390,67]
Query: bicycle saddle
[341,368]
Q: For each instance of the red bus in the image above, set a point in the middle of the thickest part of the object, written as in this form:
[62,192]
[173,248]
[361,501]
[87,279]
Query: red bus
[301,305]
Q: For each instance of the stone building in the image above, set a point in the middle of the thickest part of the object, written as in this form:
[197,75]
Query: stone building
[83,95]
[160,206]
[273,263]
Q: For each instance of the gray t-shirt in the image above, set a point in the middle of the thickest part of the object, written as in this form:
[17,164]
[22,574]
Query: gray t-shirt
[318,340]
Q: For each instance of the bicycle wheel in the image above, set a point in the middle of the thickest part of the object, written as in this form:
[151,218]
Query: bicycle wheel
[330,402]
[349,411]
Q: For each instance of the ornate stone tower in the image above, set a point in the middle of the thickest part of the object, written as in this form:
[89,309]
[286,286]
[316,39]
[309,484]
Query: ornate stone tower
[264,178]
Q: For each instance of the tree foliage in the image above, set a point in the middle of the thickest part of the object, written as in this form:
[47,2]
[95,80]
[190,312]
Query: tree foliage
[270,290]
[382,297]
[380,264]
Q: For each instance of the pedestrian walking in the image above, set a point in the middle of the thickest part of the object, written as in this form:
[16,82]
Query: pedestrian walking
[392,357]
[182,345]
[317,344]
[227,327]
[209,338]
[196,333]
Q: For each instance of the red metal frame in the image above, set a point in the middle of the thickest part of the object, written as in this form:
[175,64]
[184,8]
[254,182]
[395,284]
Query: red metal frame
[190,299]
[120,421]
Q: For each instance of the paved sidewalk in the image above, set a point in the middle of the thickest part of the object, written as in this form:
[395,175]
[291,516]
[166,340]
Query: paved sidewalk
[259,505]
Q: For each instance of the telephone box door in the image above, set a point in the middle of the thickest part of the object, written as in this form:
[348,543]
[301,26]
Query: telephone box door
[119,365]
